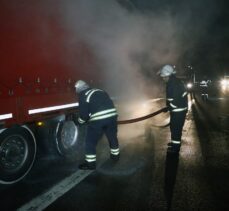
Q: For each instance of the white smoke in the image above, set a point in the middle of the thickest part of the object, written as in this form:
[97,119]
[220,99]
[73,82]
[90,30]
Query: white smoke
[130,47]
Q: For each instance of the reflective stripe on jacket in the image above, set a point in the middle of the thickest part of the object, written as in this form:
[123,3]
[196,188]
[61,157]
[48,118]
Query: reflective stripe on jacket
[103,114]
[95,104]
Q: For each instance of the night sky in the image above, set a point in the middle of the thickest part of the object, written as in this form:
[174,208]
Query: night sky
[202,28]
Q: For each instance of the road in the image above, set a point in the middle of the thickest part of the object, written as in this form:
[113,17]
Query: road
[145,178]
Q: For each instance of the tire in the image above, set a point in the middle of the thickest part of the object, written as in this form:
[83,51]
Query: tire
[17,153]
[66,138]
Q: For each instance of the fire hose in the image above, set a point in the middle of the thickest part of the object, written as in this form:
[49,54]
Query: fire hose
[129,121]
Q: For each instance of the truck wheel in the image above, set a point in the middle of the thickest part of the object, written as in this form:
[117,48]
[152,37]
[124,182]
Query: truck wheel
[17,153]
[66,138]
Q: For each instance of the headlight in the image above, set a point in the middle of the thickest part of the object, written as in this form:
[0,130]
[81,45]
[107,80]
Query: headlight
[224,84]
[189,85]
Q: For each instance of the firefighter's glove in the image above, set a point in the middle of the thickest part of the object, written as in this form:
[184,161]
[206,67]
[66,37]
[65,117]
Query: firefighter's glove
[75,119]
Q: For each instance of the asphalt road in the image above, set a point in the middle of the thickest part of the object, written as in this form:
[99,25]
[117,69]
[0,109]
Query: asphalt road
[145,178]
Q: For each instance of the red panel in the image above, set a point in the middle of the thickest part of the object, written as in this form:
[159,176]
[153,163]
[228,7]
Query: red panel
[20,106]
[40,58]
[7,106]
[35,43]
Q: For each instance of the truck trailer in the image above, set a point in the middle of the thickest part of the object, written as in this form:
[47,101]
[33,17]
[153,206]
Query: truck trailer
[41,59]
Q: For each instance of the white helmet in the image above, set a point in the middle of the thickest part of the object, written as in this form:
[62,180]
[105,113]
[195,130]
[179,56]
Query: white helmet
[167,70]
[81,86]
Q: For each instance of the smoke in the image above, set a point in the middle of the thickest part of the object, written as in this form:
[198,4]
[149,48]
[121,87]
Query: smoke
[130,46]
[197,22]
[133,39]
[201,30]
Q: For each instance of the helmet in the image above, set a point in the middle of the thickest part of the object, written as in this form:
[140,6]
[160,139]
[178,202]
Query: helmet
[80,86]
[167,70]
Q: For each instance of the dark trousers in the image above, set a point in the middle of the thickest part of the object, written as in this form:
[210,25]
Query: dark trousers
[95,131]
[177,120]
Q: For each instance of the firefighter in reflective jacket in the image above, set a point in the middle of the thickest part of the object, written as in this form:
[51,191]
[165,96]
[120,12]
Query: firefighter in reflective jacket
[98,111]
[177,103]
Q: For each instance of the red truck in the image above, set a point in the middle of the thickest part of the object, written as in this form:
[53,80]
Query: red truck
[41,59]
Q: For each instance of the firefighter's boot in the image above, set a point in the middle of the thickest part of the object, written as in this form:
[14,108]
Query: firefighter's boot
[87,165]
[114,157]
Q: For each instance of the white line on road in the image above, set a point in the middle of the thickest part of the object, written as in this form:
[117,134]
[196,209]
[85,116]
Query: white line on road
[45,199]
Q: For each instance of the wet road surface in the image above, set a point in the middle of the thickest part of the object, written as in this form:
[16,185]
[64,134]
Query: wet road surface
[145,178]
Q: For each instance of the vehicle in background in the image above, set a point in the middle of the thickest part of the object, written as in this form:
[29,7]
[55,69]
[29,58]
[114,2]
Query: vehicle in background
[224,85]
[189,85]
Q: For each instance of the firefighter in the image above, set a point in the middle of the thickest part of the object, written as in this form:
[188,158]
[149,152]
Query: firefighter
[97,110]
[177,104]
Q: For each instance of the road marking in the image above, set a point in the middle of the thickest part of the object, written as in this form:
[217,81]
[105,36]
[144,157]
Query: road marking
[47,198]
[44,200]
